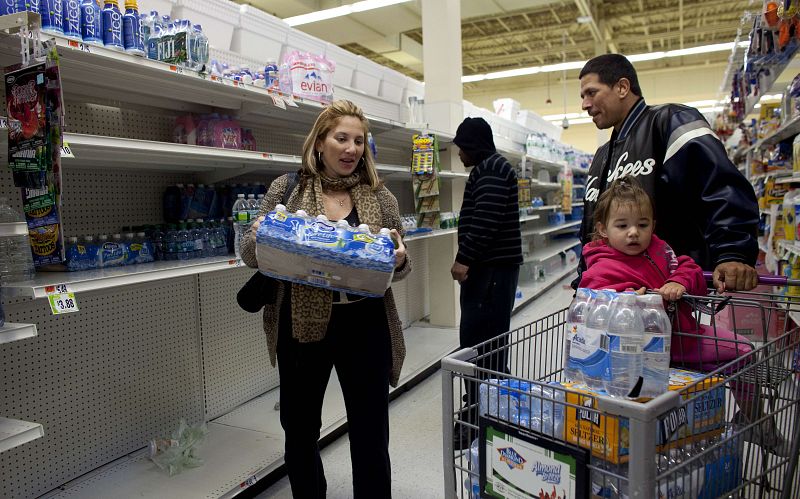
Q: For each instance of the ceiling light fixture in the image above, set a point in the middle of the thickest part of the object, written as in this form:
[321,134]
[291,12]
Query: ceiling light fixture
[344,10]
[652,56]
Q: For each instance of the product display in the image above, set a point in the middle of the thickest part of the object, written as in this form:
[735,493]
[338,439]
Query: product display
[315,251]
[213,130]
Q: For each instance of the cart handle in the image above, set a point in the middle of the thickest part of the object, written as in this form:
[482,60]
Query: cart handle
[769,280]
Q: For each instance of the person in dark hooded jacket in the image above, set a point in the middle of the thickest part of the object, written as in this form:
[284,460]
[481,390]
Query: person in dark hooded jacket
[489,249]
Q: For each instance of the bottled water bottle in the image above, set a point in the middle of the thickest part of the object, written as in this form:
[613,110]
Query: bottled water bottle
[146,251]
[185,243]
[16,261]
[112,26]
[576,323]
[196,235]
[171,245]
[132,32]
[153,43]
[588,349]
[657,340]
[625,340]
[159,248]
[200,42]
[71,10]
[254,206]
[472,483]
[91,23]
[241,220]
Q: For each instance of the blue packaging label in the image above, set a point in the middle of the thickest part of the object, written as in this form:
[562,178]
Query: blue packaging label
[112,27]
[133,36]
[29,5]
[9,7]
[91,23]
[71,10]
[112,254]
[52,17]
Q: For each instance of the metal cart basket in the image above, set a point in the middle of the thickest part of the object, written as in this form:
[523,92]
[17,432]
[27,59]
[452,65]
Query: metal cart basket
[732,430]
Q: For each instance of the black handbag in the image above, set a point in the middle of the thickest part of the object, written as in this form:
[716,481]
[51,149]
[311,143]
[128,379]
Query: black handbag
[262,289]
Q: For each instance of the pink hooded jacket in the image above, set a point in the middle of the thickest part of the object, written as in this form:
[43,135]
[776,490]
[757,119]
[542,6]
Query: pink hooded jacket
[608,268]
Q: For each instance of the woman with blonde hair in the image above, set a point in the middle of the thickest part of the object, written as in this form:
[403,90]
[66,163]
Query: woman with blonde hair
[313,329]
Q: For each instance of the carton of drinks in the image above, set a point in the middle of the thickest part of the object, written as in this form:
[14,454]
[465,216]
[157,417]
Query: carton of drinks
[315,251]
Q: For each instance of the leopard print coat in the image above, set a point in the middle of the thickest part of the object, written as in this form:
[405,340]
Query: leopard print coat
[390,215]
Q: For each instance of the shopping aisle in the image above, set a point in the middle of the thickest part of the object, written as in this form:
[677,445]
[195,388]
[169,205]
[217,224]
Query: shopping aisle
[416,428]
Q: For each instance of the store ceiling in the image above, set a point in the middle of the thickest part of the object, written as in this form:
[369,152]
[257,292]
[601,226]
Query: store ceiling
[498,35]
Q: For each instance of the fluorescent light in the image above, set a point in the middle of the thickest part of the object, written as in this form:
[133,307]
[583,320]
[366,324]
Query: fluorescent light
[344,10]
[650,56]
[569,116]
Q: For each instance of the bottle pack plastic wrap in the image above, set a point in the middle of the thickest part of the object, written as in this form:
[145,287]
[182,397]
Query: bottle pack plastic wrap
[181,451]
[298,248]
[541,411]
[311,76]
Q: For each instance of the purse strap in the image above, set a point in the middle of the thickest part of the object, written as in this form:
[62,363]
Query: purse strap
[290,185]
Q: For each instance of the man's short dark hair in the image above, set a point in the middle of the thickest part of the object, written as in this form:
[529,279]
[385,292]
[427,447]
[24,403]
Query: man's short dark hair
[610,68]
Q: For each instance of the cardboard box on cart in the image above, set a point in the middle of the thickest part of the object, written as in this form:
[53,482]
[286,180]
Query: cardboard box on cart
[608,437]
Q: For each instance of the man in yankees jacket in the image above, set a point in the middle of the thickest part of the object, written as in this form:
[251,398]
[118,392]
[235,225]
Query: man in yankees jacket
[704,207]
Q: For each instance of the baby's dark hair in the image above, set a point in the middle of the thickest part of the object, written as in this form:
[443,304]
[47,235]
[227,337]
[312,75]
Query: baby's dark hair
[622,191]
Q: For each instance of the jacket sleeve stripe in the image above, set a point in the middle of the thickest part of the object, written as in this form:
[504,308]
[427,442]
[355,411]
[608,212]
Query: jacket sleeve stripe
[676,144]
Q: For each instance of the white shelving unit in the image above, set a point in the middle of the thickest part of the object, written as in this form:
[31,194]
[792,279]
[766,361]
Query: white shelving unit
[529,218]
[535,289]
[556,248]
[14,433]
[551,230]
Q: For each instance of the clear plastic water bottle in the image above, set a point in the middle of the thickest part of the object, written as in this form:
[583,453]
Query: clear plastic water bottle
[625,341]
[241,220]
[91,23]
[185,243]
[153,43]
[132,32]
[16,261]
[576,323]
[171,246]
[71,9]
[588,349]
[254,206]
[200,43]
[657,341]
[196,234]
[112,26]
[146,252]
[472,483]
[158,243]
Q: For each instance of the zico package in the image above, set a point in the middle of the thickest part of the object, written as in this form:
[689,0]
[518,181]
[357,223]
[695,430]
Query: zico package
[29,158]
[699,416]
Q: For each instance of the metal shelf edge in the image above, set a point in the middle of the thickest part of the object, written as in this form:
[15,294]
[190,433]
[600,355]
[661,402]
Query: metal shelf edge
[15,332]
[14,432]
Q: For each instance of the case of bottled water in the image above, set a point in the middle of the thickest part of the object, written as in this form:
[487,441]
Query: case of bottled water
[576,324]
[657,341]
[315,251]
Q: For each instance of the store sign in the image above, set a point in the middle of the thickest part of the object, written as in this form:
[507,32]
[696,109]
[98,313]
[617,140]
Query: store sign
[66,151]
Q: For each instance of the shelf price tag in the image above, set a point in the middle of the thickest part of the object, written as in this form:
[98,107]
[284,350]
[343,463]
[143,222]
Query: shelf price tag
[278,101]
[78,45]
[290,101]
[176,69]
[66,150]
[61,299]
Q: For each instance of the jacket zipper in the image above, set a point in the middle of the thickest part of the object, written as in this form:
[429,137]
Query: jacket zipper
[654,265]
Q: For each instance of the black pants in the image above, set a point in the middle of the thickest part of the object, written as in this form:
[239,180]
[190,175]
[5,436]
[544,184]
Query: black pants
[487,299]
[357,344]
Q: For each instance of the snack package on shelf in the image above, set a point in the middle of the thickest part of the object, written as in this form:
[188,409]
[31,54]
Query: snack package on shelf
[317,252]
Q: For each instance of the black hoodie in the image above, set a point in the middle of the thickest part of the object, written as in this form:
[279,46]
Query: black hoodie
[488,226]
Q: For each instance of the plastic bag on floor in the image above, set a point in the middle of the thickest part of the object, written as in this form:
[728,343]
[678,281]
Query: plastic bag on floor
[181,451]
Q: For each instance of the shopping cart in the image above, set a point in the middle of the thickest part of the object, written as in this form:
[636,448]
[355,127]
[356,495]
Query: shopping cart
[694,441]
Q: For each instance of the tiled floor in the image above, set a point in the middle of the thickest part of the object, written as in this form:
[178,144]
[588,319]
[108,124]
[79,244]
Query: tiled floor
[416,430]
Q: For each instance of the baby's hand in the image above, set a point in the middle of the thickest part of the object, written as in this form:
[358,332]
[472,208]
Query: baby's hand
[671,291]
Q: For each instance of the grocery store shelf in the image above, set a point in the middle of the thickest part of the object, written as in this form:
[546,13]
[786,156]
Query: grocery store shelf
[13,229]
[788,180]
[14,332]
[549,230]
[14,432]
[536,289]
[93,280]
[529,218]
[552,250]
[543,163]
[450,174]
[784,132]
[548,185]
[433,233]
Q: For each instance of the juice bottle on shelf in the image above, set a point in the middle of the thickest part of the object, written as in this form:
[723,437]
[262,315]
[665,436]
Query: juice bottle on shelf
[52,16]
[71,9]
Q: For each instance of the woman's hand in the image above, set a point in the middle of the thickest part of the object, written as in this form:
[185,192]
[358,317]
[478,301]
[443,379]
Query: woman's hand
[254,228]
[400,251]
